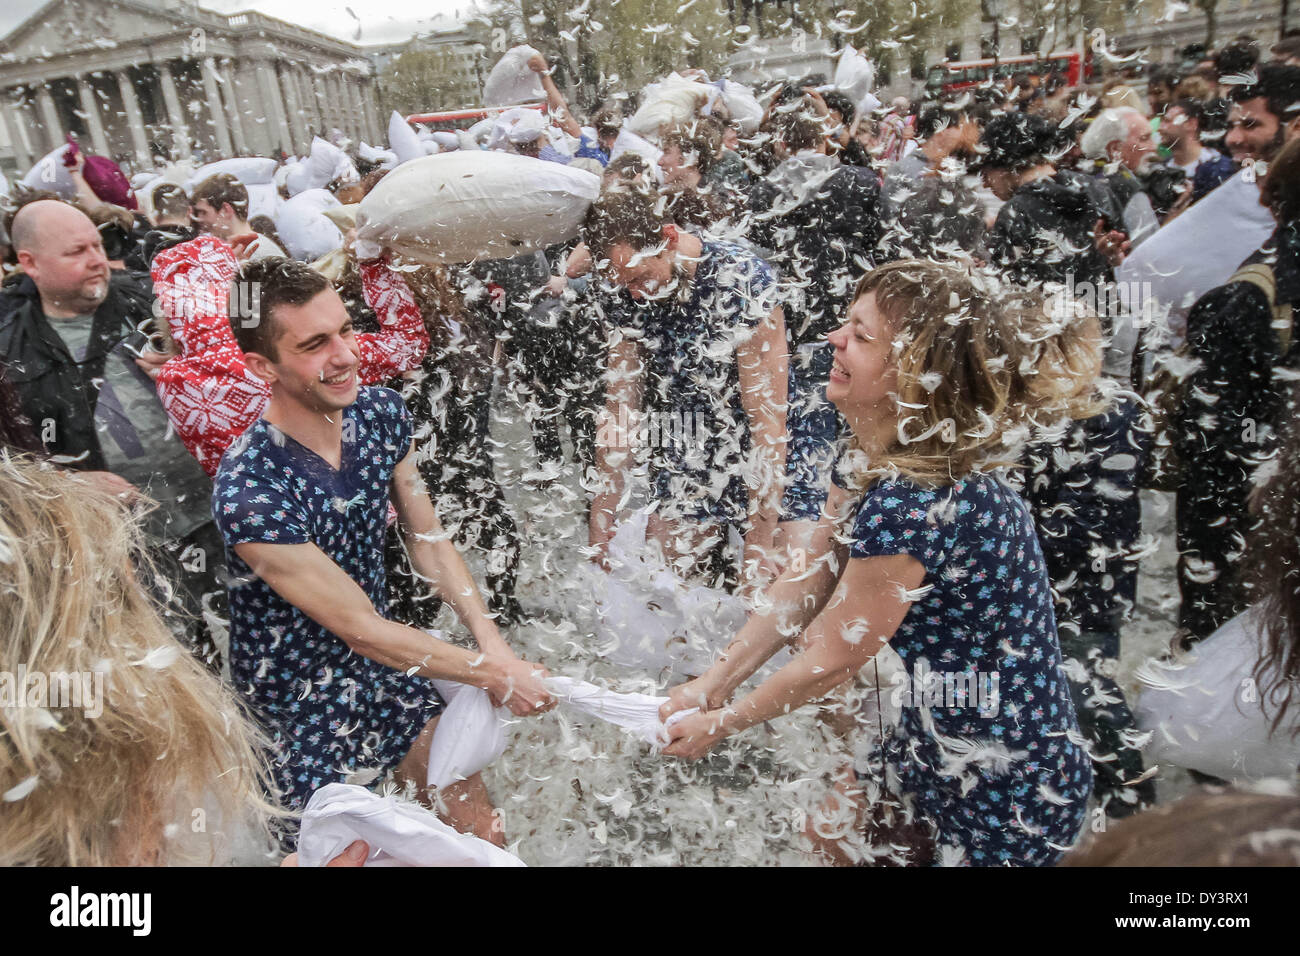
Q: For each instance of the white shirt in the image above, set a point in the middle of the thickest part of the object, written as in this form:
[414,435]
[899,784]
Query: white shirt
[1198,251]
[265,249]
[1207,155]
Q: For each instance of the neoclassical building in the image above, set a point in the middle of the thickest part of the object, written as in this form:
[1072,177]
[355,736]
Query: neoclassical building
[136,79]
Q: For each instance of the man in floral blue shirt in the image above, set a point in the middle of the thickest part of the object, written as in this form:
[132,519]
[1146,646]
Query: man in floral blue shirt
[303,499]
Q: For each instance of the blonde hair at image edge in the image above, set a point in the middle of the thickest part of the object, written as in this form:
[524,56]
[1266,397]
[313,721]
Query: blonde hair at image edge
[123,787]
[980,368]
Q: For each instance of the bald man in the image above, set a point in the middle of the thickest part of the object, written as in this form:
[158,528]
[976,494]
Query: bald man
[71,336]
[65,282]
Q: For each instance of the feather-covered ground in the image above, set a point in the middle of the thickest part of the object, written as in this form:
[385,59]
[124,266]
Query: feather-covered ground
[577,793]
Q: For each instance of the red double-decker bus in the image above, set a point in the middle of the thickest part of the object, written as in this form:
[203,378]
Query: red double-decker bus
[956,75]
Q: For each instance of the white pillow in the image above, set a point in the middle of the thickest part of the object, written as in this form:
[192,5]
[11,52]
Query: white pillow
[460,206]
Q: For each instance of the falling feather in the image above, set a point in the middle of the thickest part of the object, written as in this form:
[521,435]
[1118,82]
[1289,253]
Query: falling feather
[21,790]
[160,658]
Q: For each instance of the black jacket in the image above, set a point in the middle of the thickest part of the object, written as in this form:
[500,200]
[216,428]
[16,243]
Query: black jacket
[822,232]
[1044,232]
[156,240]
[56,394]
[1233,404]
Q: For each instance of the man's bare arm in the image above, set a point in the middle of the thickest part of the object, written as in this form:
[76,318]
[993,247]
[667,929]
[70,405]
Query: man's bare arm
[560,111]
[307,578]
[436,559]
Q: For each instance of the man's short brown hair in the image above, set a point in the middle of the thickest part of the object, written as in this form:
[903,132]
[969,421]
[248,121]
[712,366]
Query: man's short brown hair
[700,141]
[799,128]
[627,216]
[170,201]
[261,286]
[220,189]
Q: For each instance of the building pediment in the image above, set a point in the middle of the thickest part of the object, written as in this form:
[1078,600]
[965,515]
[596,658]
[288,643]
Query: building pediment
[70,26]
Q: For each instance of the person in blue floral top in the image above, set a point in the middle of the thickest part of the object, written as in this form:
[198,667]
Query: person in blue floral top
[941,560]
[706,354]
[302,499]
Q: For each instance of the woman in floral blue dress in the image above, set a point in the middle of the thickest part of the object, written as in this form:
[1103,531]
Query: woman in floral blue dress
[941,560]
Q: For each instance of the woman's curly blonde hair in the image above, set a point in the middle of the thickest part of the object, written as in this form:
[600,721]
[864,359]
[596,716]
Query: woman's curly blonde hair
[164,767]
[980,368]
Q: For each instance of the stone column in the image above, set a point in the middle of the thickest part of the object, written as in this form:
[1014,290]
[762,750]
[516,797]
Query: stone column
[49,116]
[293,108]
[11,107]
[354,82]
[372,109]
[175,118]
[307,96]
[248,102]
[230,96]
[278,125]
[334,95]
[343,85]
[134,119]
[216,110]
[90,106]
[348,83]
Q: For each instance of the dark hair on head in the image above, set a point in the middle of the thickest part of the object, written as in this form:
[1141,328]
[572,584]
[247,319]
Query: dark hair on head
[1016,141]
[265,226]
[791,90]
[371,179]
[941,214]
[608,121]
[1192,109]
[1287,47]
[220,189]
[1277,83]
[1211,827]
[838,102]
[1239,56]
[628,164]
[693,209]
[628,171]
[170,201]
[624,216]
[935,116]
[799,128]
[1275,555]
[114,225]
[1163,74]
[699,139]
[267,283]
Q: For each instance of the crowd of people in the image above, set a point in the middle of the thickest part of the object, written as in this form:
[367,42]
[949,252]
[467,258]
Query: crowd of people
[908,368]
